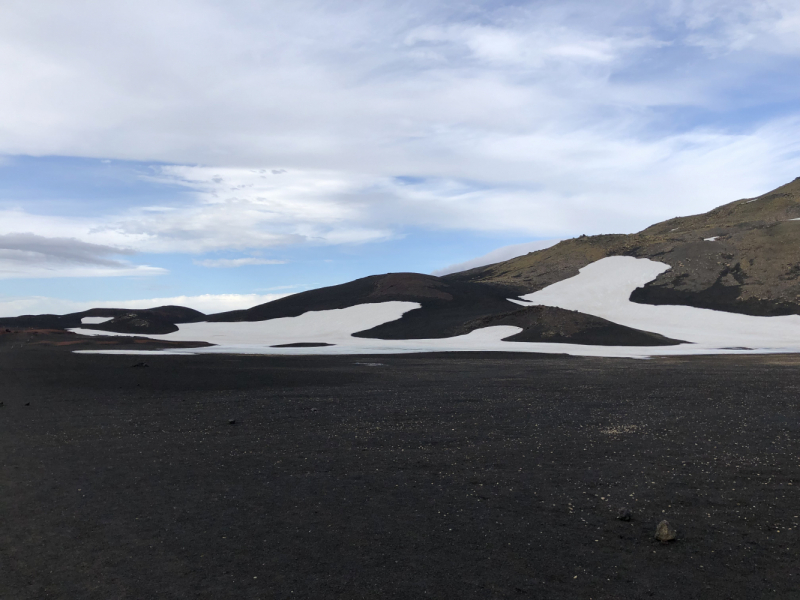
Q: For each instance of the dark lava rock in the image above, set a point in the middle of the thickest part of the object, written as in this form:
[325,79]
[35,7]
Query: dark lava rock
[665,532]
[232,422]
[624,514]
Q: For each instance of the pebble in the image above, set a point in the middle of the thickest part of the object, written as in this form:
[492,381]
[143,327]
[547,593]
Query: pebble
[624,514]
[665,532]
[232,422]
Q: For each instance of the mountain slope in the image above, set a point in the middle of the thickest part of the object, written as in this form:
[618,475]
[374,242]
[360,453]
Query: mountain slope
[742,257]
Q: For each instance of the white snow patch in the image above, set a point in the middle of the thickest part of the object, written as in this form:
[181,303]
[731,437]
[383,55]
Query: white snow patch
[95,320]
[603,288]
[711,239]
[753,200]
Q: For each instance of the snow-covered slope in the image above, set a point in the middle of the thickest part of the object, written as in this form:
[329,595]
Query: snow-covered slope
[603,289]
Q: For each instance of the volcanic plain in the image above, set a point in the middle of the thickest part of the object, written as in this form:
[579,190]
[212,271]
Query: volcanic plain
[447,475]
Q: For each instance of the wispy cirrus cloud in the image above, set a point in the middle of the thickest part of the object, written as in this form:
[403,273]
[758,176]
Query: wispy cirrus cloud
[231,263]
[764,26]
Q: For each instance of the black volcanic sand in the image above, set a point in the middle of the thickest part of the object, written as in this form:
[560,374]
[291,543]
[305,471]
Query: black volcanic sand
[442,476]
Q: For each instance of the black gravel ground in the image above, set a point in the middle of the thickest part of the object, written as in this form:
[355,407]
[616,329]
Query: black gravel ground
[441,476]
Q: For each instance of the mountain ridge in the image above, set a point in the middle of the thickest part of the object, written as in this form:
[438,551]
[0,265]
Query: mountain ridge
[741,257]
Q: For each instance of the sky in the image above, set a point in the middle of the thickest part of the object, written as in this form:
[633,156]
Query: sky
[222,154]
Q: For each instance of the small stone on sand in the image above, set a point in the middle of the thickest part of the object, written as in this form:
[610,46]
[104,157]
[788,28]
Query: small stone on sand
[665,532]
[624,514]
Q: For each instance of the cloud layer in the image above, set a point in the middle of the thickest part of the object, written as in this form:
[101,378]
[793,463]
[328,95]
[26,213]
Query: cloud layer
[336,122]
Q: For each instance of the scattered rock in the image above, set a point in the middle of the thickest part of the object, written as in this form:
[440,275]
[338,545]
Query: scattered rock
[624,514]
[140,365]
[27,404]
[665,532]
[314,410]
[232,422]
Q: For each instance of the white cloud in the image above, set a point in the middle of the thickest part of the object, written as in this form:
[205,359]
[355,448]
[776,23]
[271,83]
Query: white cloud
[624,186]
[228,263]
[547,119]
[332,85]
[206,303]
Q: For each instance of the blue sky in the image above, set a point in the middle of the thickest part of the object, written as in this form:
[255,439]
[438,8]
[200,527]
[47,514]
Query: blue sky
[219,154]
